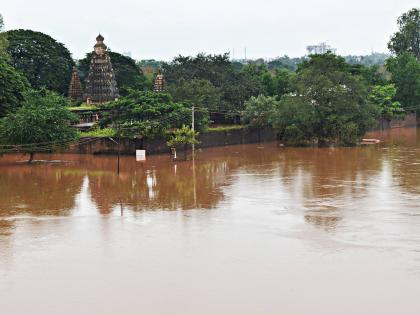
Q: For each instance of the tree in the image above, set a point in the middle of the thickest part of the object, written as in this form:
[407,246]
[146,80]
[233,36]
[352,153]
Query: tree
[144,114]
[405,72]
[183,136]
[3,40]
[44,61]
[235,86]
[201,94]
[12,88]
[259,110]
[127,74]
[384,97]
[407,39]
[329,104]
[42,124]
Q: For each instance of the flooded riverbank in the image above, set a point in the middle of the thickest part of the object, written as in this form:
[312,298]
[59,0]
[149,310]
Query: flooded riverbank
[247,229]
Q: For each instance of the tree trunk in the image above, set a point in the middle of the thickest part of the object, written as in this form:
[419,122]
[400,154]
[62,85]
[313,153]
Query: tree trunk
[31,157]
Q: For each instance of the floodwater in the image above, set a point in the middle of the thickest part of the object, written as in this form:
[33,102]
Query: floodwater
[252,229]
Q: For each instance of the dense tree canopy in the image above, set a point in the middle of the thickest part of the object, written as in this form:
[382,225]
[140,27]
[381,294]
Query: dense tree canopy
[407,39]
[12,87]
[384,97]
[44,61]
[259,111]
[147,114]
[41,124]
[127,74]
[235,86]
[405,70]
[329,104]
[3,40]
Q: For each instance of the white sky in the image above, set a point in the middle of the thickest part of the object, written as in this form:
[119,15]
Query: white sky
[162,29]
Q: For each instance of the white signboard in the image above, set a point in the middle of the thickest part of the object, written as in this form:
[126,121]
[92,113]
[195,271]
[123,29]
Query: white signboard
[140,155]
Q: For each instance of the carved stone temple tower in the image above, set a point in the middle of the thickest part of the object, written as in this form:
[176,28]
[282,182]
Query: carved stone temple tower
[101,86]
[75,87]
[159,85]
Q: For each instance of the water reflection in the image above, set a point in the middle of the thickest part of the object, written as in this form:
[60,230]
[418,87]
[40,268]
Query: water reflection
[321,184]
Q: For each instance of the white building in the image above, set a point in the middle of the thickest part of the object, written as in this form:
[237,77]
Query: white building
[320,49]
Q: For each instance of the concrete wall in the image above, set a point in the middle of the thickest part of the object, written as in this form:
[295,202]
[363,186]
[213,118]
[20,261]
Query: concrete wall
[410,120]
[156,146]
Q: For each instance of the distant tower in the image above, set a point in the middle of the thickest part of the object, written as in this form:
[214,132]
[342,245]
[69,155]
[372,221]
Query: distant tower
[101,86]
[159,85]
[75,87]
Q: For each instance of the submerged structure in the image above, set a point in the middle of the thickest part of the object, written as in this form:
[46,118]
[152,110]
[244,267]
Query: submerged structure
[75,87]
[101,86]
[159,84]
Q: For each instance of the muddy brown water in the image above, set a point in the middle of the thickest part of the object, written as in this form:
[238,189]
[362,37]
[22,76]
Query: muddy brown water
[252,229]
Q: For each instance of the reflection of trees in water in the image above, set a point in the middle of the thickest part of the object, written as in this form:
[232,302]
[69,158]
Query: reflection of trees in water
[170,186]
[324,180]
[37,190]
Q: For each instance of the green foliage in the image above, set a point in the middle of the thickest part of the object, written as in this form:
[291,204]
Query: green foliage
[41,124]
[44,61]
[127,74]
[225,128]
[329,104]
[235,87]
[3,41]
[184,135]
[12,87]
[259,110]
[200,93]
[405,71]
[407,39]
[99,133]
[383,96]
[146,114]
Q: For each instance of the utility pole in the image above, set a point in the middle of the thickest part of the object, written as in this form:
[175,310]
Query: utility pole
[192,126]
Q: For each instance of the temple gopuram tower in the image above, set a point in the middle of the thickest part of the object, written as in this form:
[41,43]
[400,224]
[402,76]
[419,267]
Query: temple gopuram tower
[75,87]
[159,85]
[101,86]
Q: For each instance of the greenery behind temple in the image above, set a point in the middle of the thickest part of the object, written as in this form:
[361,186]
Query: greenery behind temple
[320,99]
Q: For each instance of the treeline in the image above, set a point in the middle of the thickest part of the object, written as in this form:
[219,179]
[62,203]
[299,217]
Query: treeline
[321,99]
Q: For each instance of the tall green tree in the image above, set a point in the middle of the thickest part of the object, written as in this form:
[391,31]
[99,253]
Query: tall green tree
[44,61]
[42,124]
[405,71]
[12,88]
[329,104]
[384,97]
[407,39]
[127,74]
[259,110]
[3,40]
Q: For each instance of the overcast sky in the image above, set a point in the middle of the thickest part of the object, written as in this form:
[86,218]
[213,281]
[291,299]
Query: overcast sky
[162,29]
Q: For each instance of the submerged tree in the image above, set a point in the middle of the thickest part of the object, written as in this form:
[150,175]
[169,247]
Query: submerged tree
[183,136]
[329,104]
[42,124]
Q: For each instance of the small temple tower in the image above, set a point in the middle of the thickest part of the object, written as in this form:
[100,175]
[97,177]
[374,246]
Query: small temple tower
[75,87]
[159,85]
[101,86]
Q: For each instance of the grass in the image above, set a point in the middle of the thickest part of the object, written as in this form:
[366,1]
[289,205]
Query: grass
[84,106]
[223,128]
[99,133]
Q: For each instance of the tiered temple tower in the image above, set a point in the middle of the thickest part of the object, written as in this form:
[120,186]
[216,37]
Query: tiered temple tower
[75,87]
[159,85]
[101,86]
